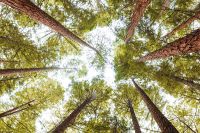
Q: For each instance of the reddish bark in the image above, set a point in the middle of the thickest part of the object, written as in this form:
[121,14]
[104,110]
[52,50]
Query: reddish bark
[71,118]
[184,24]
[164,124]
[27,7]
[138,12]
[188,44]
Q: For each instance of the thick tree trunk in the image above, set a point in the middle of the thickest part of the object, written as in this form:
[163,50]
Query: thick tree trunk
[137,14]
[189,83]
[16,109]
[134,119]
[184,24]
[27,7]
[7,72]
[71,118]
[188,44]
[164,124]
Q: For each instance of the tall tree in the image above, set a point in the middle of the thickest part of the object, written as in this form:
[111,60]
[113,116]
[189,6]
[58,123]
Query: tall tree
[137,14]
[7,72]
[71,118]
[29,8]
[16,109]
[184,24]
[134,119]
[164,124]
[188,44]
[187,82]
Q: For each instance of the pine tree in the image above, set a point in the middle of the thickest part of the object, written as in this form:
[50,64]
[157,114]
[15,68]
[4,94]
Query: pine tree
[71,118]
[188,44]
[7,72]
[137,14]
[187,82]
[133,116]
[16,109]
[164,124]
[29,8]
[184,24]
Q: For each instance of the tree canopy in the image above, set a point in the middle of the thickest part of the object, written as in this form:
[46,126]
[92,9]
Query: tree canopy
[100,66]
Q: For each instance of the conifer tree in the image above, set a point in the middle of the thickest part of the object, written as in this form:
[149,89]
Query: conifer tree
[71,118]
[164,124]
[188,44]
[29,8]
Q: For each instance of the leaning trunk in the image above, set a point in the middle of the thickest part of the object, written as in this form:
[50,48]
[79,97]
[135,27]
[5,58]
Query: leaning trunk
[27,7]
[188,44]
[138,12]
[71,118]
[134,119]
[164,124]
[189,83]
[7,72]
[16,109]
[184,24]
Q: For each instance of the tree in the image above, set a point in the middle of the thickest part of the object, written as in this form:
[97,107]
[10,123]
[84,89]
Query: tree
[7,72]
[71,118]
[184,24]
[134,119]
[163,123]
[187,82]
[188,44]
[16,109]
[137,14]
[37,14]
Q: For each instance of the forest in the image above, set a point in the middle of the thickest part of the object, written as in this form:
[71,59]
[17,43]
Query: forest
[99,66]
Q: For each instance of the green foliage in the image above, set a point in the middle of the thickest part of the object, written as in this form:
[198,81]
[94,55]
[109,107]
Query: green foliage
[25,43]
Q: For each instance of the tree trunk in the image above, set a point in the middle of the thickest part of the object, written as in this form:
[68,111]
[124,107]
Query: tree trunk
[7,61]
[184,24]
[137,14]
[188,44]
[134,119]
[16,109]
[164,124]
[189,83]
[7,72]
[71,118]
[29,8]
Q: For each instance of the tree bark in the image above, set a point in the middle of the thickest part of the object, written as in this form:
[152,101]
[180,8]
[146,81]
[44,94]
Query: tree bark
[29,8]
[137,14]
[184,24]
[16,109]
[134,119]
[7,72]
[71,118]
[189,83]
[188,44]
[164,124]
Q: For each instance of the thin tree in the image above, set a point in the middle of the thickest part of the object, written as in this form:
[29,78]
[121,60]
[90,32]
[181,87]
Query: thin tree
[71,118]
[16,109]
[29,8]
[188,44]
[134,118]
[164,124]
[184,24]
[187,82]
[7,61]
[7,72]
[137,14]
